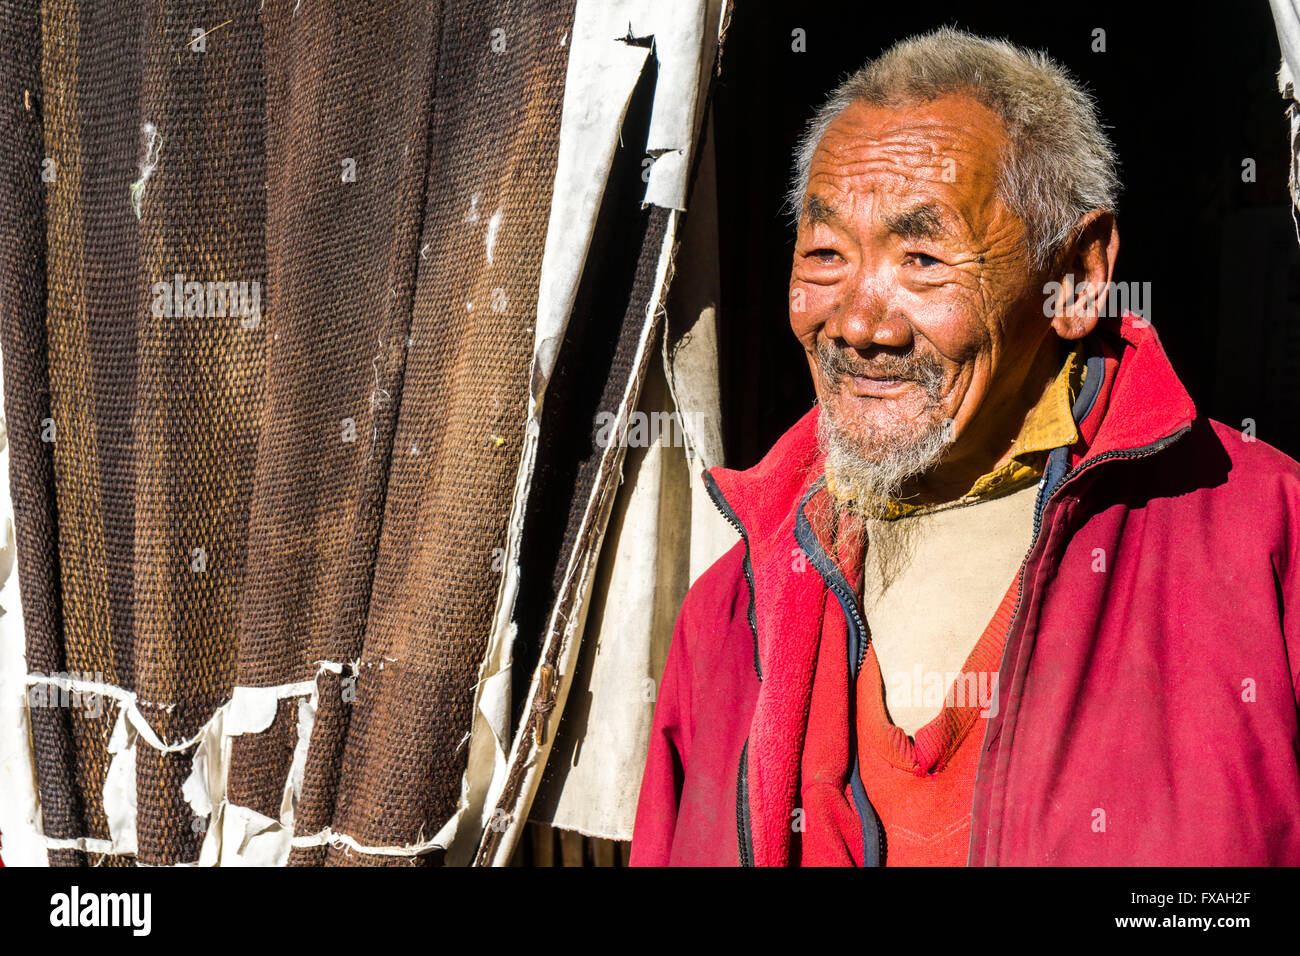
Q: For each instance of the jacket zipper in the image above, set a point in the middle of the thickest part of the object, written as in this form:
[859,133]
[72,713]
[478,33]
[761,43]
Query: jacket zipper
[743,832]
[720,502]
[836,583]
[850,604]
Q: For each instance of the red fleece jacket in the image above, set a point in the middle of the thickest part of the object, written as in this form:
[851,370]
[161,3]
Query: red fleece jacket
[1148,684]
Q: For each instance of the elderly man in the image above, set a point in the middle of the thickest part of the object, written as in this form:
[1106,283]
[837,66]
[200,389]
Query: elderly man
[1003,596]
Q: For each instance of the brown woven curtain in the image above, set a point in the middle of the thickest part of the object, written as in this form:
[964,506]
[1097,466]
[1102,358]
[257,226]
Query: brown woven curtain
[310,490]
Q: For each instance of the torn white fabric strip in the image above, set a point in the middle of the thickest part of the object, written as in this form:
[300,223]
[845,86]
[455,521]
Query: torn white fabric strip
[342,840]
[592,779]
[249,838]
[86,845]
[684,49]
[118,797]
[252,703]
[230,838]
[489,738]
[690,341]
[233,835]
[236,835]
[593,773]
[240,836]
[1286,16]
[336,667]
[119,785]
[602,72]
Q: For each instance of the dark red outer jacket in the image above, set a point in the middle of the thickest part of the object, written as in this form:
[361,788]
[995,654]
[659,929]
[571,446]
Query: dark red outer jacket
[1148,688]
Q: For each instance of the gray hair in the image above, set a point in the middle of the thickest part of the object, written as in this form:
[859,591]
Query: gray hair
[1059,164]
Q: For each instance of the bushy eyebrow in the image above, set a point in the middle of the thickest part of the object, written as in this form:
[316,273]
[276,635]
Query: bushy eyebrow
[919,222]
[818,210]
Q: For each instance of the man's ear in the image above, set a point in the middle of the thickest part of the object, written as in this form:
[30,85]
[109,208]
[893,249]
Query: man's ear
[1085,269]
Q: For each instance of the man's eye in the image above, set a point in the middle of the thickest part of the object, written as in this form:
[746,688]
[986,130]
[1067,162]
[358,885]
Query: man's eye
[824,255]
[924,261]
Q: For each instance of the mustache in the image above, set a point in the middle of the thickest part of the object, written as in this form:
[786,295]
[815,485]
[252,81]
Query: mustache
[925,370]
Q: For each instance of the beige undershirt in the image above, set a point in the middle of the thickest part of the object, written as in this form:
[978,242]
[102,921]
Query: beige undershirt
[931,582]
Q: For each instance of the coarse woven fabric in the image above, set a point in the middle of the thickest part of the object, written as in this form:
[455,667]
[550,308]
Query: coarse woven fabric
[206,499]
[154,411]
[27,404]
[387,768]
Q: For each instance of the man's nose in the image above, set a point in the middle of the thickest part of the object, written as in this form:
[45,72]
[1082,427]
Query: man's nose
[869,316]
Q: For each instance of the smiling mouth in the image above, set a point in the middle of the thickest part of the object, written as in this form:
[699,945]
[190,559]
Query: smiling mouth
[871,386]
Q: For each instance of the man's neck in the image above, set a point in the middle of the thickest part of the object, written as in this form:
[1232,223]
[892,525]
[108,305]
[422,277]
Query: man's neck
[959,472]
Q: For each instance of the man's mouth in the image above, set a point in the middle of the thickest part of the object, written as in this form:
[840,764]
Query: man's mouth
[888,378]
[877,386]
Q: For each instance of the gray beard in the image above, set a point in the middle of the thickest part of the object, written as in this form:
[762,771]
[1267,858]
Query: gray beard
[865,475]
[863,478]
[866,471]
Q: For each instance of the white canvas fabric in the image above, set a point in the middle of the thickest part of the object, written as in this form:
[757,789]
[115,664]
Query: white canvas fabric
[1286,15]
[685,37]
[663,533]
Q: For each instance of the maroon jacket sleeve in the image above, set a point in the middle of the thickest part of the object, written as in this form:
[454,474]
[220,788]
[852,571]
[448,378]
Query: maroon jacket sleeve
[661,785]
[687,809]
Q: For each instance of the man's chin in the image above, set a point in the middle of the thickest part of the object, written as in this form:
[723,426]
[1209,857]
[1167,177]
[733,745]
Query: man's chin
[873,426]
[870,456]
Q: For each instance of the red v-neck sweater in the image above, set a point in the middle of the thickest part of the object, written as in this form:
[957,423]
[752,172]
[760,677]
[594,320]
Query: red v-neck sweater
[921,788]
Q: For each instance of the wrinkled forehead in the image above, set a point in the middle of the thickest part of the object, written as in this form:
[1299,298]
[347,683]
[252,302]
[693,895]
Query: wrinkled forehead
[942,157]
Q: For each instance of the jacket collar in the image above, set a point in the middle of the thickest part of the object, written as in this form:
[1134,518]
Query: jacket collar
[1140,401]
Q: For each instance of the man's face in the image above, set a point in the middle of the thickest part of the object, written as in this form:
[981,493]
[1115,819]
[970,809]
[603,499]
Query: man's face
[912,289]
